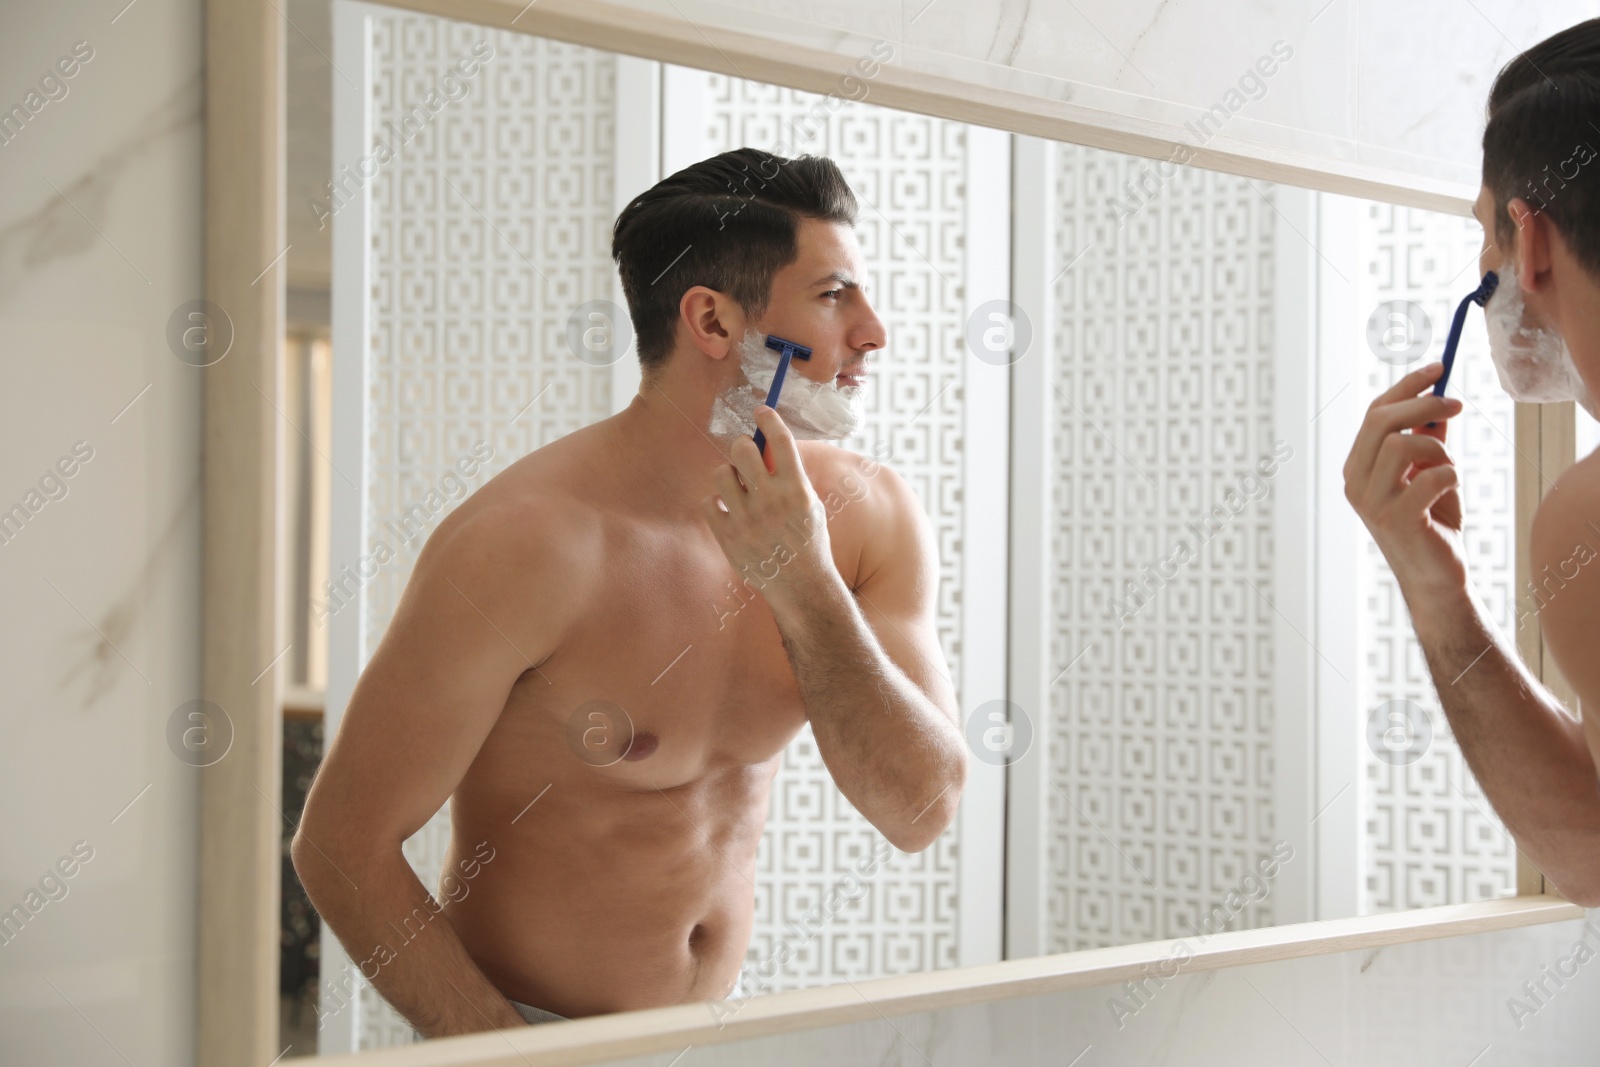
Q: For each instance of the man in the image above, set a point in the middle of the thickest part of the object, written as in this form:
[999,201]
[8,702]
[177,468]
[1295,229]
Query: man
[602,653]
[1540,211]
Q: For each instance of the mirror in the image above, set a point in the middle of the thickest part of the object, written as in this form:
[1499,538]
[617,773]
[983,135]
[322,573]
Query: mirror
[1121,392]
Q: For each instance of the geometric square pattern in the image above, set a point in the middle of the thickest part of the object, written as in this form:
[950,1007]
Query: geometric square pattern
[1161,719]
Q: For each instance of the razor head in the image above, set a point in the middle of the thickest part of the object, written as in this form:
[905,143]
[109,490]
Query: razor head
[1491,282]
[788,348]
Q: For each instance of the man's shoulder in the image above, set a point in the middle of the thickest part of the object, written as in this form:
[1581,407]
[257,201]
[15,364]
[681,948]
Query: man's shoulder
[1564,558]
[872,510]
[855,477]
[1569,515]
[522,551]
[522,524]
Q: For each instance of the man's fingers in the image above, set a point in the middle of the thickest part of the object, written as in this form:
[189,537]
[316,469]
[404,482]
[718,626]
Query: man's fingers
[780,442]
[747,458]
[1409,386]
[1437,432]
[1382,421]
[1418,411]
[1398,452]
[727,484]
[1426,488]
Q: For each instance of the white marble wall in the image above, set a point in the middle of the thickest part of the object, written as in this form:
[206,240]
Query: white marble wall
[1400,86]
[100,239]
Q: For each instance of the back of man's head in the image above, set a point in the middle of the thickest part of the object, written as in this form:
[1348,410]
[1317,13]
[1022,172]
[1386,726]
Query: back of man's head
[728,223]
[1543,136]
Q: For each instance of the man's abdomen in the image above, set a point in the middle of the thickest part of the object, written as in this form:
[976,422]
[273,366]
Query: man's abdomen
[595,901]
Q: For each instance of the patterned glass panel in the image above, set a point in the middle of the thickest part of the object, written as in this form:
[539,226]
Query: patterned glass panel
[1161,721]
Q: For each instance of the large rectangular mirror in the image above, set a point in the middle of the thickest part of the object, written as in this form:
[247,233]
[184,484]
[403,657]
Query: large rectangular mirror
[1121,391]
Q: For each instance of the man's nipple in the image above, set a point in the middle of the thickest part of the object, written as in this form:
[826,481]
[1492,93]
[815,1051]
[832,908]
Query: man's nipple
[643,745]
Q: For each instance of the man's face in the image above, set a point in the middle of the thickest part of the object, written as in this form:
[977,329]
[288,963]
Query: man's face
[817,301]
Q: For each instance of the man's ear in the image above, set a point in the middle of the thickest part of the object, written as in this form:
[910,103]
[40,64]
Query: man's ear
[1531,252]
[713,323]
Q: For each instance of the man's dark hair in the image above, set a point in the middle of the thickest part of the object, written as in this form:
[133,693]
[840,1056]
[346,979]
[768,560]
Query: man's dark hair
[728,223]
[1542,140]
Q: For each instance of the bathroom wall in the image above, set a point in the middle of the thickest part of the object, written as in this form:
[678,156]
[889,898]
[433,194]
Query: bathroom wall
[100,243]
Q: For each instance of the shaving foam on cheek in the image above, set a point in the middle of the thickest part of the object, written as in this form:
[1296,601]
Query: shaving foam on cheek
[813,411]
[1533,363]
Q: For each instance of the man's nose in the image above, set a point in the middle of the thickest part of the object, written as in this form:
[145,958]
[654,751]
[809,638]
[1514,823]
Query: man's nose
[870,334]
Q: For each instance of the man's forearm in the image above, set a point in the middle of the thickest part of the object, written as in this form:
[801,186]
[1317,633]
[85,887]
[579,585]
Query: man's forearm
[394,932]
[893,752]
[1527,753]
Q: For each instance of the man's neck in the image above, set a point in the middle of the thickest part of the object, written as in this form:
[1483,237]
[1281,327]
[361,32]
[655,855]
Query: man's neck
[663,436]
[1581,331]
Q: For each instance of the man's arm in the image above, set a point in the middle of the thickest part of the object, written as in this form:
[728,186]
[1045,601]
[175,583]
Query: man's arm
[872,676]
[1526,752]
[459,640]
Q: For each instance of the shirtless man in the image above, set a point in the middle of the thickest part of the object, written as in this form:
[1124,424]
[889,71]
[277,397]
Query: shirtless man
[577,665]
[1540,211]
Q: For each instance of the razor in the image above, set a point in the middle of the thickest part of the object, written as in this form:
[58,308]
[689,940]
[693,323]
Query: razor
[1479,296]
[786,350]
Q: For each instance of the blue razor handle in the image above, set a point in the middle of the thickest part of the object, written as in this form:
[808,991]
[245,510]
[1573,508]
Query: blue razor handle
[1479,296]
[786,350]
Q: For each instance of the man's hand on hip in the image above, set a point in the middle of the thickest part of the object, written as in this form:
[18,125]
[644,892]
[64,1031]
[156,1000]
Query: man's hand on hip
[1403,485]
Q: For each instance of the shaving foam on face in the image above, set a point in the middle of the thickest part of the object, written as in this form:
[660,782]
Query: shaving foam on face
[1533,362]
[813,411]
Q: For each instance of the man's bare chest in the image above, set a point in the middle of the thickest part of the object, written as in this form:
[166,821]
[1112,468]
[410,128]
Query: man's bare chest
[672,669]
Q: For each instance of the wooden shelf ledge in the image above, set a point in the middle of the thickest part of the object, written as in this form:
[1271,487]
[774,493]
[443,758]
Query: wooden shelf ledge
[639,1033]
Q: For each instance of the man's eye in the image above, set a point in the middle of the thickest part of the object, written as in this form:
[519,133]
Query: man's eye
[833,292]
